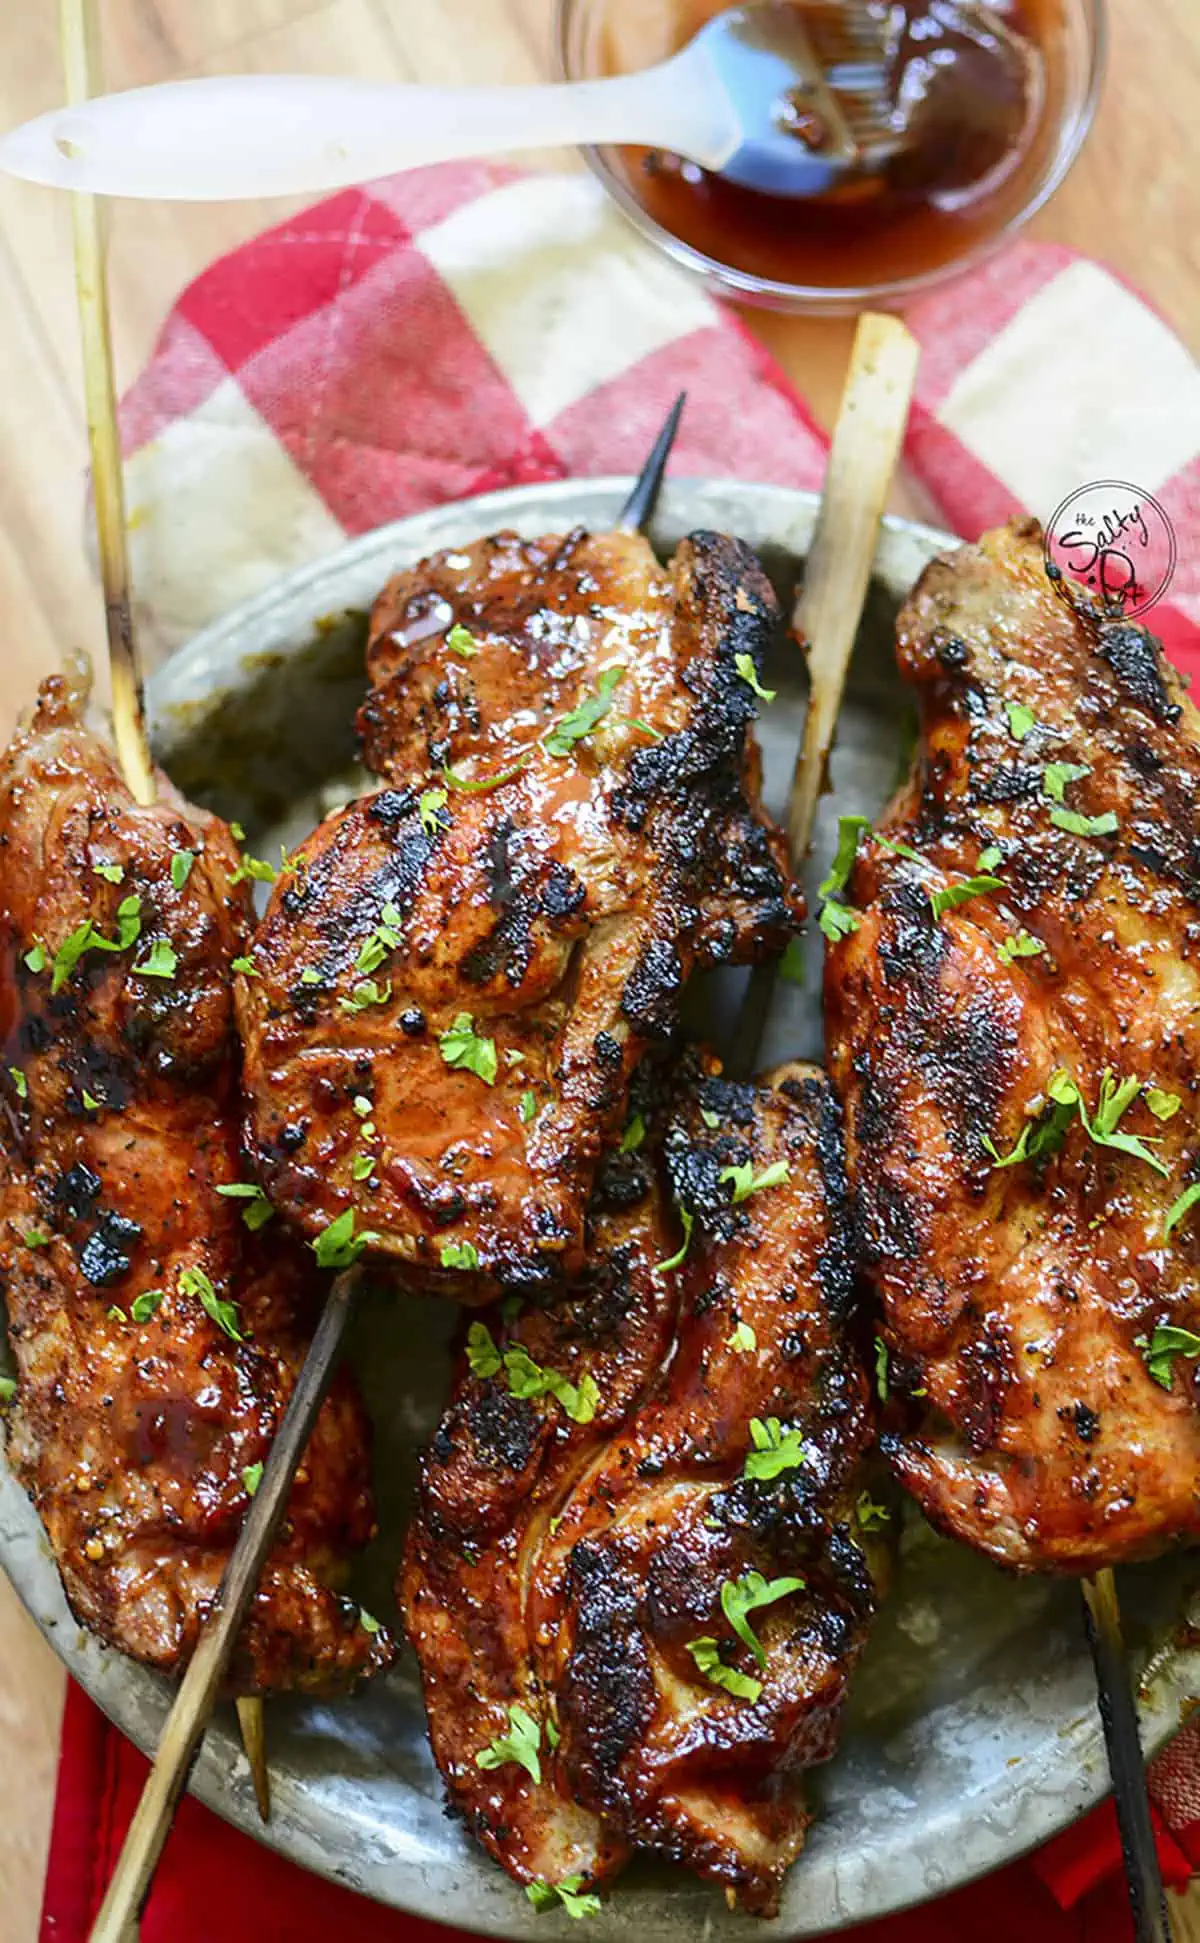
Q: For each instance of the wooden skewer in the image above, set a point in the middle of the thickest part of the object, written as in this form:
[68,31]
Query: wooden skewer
[80,68]
[1126,1762]
[866,445]
[862,459]
[188,1718]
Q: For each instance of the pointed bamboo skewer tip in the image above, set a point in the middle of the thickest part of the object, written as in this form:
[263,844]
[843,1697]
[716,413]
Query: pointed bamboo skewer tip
[80,66]
[186,1722]
[863,455]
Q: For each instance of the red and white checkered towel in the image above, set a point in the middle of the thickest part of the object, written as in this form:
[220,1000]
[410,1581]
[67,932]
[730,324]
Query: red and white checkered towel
[461,328]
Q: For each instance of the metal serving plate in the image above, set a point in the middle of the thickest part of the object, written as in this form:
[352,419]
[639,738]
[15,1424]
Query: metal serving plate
[972,1732]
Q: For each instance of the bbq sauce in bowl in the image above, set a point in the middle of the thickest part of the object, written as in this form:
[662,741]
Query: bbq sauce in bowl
[992,121]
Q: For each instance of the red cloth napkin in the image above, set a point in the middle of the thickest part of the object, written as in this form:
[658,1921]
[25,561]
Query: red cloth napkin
[455,329]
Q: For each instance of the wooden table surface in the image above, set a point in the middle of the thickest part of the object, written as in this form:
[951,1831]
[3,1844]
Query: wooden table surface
[1132,200]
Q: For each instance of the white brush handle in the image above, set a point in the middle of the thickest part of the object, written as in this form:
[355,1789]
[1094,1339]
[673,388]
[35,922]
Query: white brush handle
[270,135]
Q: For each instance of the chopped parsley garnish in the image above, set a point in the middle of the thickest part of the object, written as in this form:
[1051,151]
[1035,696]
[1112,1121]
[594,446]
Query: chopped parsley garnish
[633,1135]
[368,1621]
[1048,1134]
[1020,720]
[181,867]
[687,1222]
[850,829]
[791,965]
[362,1106]
[257,1211]
[256,867]
[161,961]
[1184,1205]
[1163,1347]
[483,1357]
[1022,945]
[193,1281]
[1055,778]
[711,1120]
[384,937]
[744,663]
[362,1167]
[144,1305]
[561,739]
[1164,1106]
[527,1108]
[1078,825]
[252,1477]
[707,1655]
[881,1369]
[468,1051]
[474,786]
[337,1246]
[553,1736]
[246,966]
[35,957]
[460,640]
[237,833]
[365,994]
[528,1379]
[520,1745]
[90,1103]
[746,1182]
[837,921]
[743,1339]
[310,975]
[776,1450]
[19,1081]
[86,938]
[429,808]
[952,895]
[8,1389]
[116,1314]
[36,1238]
[868,1515]
[460,1254]
[569,1892]
[741,1597]
[111,873]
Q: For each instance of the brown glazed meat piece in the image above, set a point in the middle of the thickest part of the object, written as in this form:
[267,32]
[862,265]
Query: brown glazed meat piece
[617,1551]
[474,957]
[1030,1305]
[130,1283]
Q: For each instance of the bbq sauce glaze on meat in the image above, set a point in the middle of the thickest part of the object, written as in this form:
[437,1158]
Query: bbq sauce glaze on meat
[1030,1305]
[474,956]
[157,1340]
[607,1547]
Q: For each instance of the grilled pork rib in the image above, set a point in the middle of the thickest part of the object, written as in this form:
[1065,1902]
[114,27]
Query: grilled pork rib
[475,956]
[1020,1072]
[157,1340]
[617,1551]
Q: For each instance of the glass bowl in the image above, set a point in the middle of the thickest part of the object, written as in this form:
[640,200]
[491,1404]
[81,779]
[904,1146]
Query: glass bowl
[597,37]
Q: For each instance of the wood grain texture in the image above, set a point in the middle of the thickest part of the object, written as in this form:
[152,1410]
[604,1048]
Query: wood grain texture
[1131,201]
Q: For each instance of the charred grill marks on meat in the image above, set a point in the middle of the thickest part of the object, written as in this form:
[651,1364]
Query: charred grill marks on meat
[481,950]
[157,1339]
[611,1550]
[1019,1071]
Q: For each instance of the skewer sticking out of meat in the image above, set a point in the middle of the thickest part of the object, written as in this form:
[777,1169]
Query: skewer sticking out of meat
[157,1337]
[683,1586]
[473,957]
[1014,1025]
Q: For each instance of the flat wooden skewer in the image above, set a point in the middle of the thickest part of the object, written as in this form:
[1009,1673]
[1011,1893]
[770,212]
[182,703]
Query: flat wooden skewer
[866,445]
[862,459]
[201,1684]
[108,496]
